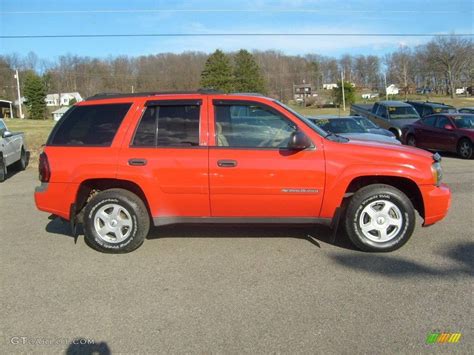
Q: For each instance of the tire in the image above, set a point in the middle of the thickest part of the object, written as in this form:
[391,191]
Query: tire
[116,221]
[411,140]
[375,209]
[21,164]
[464,148]
[3,169]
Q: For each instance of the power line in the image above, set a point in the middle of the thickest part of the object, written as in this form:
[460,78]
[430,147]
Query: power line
[104,11]
[238,35]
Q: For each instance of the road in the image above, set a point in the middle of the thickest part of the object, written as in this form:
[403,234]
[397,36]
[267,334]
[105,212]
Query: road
[234,289]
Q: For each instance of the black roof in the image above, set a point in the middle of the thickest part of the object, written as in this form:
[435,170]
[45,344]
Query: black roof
[108,95]
[430,103]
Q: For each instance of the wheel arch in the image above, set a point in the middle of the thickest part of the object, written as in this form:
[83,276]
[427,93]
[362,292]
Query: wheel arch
[405,185]
[88,188]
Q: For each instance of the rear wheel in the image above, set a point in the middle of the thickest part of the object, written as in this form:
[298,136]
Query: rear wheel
[116,221]
[3,169]
[379,218]
[465,148]
[411,141]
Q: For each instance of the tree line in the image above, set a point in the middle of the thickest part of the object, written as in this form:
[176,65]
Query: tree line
[442,64]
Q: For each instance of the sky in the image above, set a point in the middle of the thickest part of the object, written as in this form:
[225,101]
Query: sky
[86,17]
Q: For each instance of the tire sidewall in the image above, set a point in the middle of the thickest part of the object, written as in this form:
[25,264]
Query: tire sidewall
[459,148]
[3,169]
[396,242]
[133,240]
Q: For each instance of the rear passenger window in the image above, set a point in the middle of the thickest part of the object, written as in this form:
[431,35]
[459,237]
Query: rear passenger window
[429,121]
[92,125]
[168,126]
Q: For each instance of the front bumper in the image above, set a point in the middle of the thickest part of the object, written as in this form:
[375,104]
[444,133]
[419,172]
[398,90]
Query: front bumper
[436,200]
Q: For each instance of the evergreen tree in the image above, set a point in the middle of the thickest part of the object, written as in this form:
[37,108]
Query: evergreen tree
[35,95]
[247,75]
[217,73]
[349,93]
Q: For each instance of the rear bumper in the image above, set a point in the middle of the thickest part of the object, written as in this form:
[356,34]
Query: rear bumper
[436,200]
[55,198]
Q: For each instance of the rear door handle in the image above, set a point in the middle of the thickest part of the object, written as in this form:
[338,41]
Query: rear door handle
[137,162]
[227,163]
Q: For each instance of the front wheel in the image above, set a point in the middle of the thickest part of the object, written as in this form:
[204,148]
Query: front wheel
[3,169]
[465,148]
[379,218]
[21,164]
[411,141]
[116,221]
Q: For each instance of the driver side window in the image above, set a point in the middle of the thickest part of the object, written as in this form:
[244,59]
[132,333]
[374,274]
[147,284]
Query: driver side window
[251,126]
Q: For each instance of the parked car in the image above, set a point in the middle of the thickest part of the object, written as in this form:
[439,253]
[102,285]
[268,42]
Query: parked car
[348,127]
[117,163]
[425,108]
[424,90]
[443,132]
[392,115]
[371,95]
[372,127]
[466,110]
[13,152]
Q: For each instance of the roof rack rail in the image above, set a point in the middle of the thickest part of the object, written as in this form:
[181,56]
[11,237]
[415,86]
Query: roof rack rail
[112,95]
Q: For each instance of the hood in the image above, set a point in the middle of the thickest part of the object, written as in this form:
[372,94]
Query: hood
[370,137]
[403,122]
[397,148]
[382,131]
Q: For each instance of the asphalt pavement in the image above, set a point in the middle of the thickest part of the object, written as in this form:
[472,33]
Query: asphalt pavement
[234,289]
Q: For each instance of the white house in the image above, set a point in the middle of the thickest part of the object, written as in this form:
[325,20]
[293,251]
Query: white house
[329,86]
[66,97]
[59,113]
[392,90]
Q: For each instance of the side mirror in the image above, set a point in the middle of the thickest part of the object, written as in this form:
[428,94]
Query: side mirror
[448,127]
[299,141]
[7,134]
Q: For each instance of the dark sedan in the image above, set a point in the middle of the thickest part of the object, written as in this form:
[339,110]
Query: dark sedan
[371,127]
[443,132]
[348,127]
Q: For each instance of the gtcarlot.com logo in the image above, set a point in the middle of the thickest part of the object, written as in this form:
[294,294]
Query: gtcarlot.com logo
[25,340]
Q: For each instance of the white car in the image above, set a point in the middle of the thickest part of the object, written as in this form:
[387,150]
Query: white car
[13,152]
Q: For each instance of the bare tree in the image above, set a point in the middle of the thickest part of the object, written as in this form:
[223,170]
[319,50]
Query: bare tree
[453,55]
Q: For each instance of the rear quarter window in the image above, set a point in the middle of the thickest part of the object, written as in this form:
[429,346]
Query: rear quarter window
[91,125]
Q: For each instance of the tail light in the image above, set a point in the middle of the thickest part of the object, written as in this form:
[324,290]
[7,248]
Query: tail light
[43,167]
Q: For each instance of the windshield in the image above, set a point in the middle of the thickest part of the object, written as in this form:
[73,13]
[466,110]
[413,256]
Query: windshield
[366,123]
[402,112]
[306,121]
[464,121]
[340,125]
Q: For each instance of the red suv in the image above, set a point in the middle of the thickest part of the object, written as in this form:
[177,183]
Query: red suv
[119,163]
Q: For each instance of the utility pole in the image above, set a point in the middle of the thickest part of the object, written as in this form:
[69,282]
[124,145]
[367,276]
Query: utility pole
[17,77]
[385,83]
[343,93]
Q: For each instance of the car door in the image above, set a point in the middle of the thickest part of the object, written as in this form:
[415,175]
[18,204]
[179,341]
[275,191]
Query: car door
[381,118]
[423,130]
[7,145]
[444,139]
[251,171]
[167,155]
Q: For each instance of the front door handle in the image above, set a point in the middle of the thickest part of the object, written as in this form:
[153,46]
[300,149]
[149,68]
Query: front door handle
[227,163]
[137,162]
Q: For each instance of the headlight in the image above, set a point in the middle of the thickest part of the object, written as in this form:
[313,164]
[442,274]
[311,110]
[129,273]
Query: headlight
[437,172]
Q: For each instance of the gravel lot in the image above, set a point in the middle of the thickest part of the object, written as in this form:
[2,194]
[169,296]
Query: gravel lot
[234,289]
